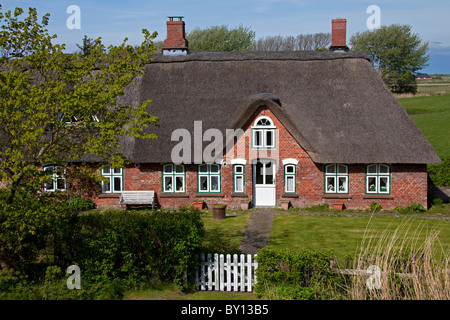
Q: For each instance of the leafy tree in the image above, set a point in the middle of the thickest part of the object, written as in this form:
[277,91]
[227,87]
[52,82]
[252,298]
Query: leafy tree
[317,41]
[221,38]
[86,46]
[395,52]
[56,107]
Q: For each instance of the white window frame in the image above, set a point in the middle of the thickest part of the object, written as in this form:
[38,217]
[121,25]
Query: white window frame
[336,175]
[174,174]
[55,177]
[209,176]
[292,175]
[237,175]
[378,175]
[263,131]
[112,175]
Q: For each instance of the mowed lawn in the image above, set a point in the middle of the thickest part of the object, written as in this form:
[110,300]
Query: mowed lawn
[344,235]
[432,117]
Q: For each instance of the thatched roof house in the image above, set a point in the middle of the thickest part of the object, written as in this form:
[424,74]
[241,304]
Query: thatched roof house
[329,127]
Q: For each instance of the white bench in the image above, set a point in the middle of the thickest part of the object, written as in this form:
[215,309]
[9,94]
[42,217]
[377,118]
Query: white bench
[138,198]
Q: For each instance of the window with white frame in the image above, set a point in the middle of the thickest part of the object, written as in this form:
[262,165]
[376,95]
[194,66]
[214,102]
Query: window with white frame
[290,178]
[263,134]
[336,178]
[238,178]
[174,178]
[114,179]
[57,180]
[378,179]
[209,178]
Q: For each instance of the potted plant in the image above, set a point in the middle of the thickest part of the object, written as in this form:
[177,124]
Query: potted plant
[338,205]
[245,204]
[198,204]
[219,210]
[285,204]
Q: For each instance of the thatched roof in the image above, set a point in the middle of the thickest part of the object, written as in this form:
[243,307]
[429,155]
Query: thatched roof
[333,103]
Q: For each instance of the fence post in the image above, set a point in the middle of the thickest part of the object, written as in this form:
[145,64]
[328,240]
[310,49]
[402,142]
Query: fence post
[216,271]
[249,272]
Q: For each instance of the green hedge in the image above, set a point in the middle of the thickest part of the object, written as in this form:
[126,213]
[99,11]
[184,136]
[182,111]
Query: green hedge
[440,173]
[295,275]
[114,249]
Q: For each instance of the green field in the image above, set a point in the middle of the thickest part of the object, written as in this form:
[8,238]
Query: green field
[343,235]
[432,116]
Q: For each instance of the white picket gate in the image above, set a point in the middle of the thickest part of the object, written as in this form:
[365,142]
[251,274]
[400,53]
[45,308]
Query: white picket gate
[226,272]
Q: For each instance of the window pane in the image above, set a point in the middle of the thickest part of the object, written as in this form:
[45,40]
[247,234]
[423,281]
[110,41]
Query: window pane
[342,184]
[330,169]
[290,169]
[269,138]
[215,168]
[384,169]
[203,168]
[269,173]
[117,184]
[342,169]
[117,171]
[290,184]
[179,169]
[239,184]
[179,184]
[384,184]
[238,169]
[106,186]
[168,168]
[168,184]
[258,138]
[371,184]
[61,184]
[107,170]
[204,183]
[259,173]
[49,185]
[331,184]
[214,183]
[372,168]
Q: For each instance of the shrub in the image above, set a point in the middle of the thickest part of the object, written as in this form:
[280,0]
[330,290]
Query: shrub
[440,173]
[296,275]
[411,209]
[375,207]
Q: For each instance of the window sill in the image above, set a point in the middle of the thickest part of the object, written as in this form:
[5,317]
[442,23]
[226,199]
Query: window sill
[173,195]
[378,196]
[201,195]
[109,195]
[336,196]
[289,195]
[239,195]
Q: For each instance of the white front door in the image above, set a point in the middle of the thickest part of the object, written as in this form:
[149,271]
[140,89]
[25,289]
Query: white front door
[264,183]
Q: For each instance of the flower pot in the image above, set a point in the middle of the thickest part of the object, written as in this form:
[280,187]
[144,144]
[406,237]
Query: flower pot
[198,205]
[338,205]
[219,211]
[285,205]
[245,204]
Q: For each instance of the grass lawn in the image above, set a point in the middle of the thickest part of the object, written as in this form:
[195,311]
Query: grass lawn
[432,116]
[225,236]
[342,234]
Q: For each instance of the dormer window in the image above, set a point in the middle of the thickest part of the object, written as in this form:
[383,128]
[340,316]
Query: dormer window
[263,134]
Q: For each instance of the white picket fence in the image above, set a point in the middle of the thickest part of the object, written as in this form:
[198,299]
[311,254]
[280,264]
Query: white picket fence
[226,272]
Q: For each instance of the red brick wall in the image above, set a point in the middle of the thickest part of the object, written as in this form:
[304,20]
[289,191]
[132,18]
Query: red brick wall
[408,182]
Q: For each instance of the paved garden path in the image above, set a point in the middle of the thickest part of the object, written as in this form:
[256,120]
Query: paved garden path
[258,231]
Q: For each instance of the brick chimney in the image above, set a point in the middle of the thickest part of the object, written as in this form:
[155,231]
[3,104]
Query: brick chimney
[338,35]
[175,44]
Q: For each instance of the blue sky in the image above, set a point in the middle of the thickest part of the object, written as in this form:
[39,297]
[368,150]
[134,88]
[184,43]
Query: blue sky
[113,20]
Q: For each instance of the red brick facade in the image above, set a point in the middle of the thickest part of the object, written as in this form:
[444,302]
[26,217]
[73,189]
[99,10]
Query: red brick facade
[408,183]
